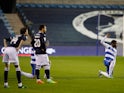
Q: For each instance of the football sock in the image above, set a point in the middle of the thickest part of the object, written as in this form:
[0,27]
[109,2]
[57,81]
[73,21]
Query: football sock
[18,74]
[33,68]
[29,75]
[37,72]
[5,76]
[104,74]
[47,72]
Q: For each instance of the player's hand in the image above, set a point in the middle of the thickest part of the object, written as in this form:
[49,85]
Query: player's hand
[47,43]
[17,49]
[108,35]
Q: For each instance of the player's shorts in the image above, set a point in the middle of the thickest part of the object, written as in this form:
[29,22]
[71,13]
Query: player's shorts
[106,63]
[10,56]
[42,60]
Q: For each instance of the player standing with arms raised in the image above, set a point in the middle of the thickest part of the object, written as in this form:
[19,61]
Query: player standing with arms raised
[110,57]
[12,45]
[39,44]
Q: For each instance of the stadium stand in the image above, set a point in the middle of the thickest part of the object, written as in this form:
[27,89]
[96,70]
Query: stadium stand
[105,2]
[34,14]
[43,13]
[30,12]
[5,28]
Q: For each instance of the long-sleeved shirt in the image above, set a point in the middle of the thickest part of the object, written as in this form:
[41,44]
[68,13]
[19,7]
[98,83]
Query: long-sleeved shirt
[110,52]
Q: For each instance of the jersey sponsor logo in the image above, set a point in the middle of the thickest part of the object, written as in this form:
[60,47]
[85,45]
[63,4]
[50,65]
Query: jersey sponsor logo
[112,24]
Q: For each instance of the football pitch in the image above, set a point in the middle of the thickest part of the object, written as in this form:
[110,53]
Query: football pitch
[74,74]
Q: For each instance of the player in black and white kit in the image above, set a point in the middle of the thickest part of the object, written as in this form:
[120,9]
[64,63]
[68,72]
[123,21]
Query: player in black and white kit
[12,45]
[39,44]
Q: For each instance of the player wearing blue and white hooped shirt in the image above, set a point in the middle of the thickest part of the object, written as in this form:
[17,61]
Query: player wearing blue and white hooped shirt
[33,65]
[33,61]
[110,57]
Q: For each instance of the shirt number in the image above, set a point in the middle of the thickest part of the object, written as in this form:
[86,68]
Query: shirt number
[37,43]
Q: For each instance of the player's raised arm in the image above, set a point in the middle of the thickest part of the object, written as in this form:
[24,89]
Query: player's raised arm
[103,40]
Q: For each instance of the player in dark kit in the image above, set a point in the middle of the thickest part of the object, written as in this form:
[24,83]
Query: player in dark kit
[12,45]
[39,44]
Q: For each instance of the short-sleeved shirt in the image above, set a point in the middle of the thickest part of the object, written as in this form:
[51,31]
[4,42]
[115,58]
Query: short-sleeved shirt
[15,41]
[38,43]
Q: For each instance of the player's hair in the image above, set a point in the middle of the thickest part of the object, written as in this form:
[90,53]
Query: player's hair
[23,30]
[113,43]
[41,27]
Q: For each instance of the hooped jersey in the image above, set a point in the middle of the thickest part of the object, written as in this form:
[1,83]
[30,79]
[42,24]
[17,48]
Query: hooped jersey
[38,43]
[33,58]
[110,52]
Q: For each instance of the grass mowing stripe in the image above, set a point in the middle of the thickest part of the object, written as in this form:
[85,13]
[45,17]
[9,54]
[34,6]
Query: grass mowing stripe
[74,74]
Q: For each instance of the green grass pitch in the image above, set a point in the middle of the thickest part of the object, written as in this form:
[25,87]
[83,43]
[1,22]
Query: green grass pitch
[74,74]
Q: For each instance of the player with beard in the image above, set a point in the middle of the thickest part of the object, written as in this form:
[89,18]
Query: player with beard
[39,44]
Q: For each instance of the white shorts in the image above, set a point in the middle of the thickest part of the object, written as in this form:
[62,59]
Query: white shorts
[42,60]
[10,55]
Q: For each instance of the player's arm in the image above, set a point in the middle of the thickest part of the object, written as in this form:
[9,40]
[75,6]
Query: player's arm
[4,42]
[47,43]
[24,38]
[20,44]
[103,41]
